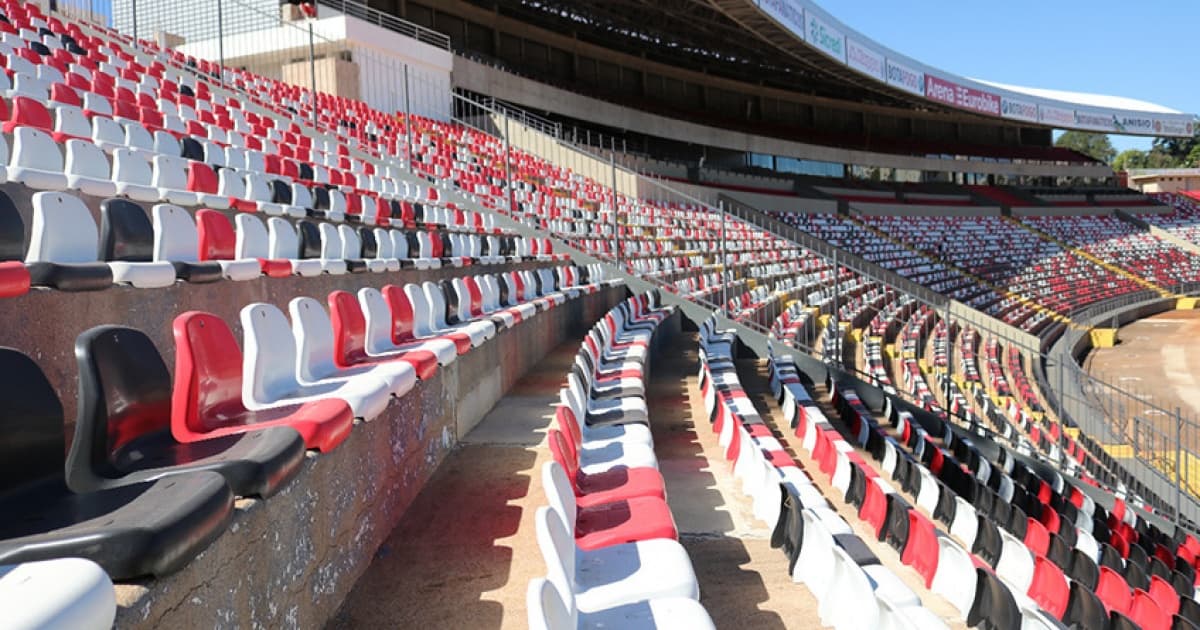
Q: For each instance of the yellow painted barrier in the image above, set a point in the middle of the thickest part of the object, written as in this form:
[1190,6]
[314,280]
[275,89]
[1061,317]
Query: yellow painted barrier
[1120,451]
[1104,337]
[1186,303]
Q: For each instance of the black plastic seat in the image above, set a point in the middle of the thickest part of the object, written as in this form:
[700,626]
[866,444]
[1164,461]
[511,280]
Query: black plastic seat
[1136,576]
[1083,569]
[1159,568]
[123,430]
[1118,621]
[1018,523]
[856,492]
[1189,609]
[1059,553]
[856,548]
[789,529]
[150,528]
[987,541]
[1181,623]
[1138,556]
[191,149]
[1084,609]
[994,607]
[895,532]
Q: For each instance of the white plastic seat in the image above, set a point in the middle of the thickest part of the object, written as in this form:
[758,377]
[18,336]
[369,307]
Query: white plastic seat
[285,245]
[965,525]
[849,602]
[1016,562]
[133,176]
[547,610]
[106,132]
[62,594]
[611,411]
[332,260]
[170,178]
[616,575]
[313,332]
[378,342]
[385,249]
[167,144]
[269,369]
[36,160]
[87,169]
[259,191]
[137,137]
[927,495]
[70,121]
[955,575]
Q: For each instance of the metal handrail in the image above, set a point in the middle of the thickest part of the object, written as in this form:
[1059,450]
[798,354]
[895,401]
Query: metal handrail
[388,21]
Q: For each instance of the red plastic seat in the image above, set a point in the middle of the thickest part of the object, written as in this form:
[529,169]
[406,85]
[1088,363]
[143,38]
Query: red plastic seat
[921,550]
[874,507]
[606,487]
[350,334]
[1036,537]
[1145,612]
[1164,595]
[27,112]
[207,398]
[14,279]
[62,93]
[1049,587]
[625,521]
[201,178]
[1113,591]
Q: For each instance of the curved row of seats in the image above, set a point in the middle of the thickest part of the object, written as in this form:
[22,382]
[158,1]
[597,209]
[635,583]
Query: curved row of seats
[607,536]
[156,249]
[154,465]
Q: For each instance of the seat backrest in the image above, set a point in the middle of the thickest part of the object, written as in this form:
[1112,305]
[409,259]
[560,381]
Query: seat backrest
[558,549]
[86,159]
[313,333]
[131,168]
[1113,591]
[349,328]
[126,233]
[208,372]
[350,243]
[167,144]
[546,609]
[331,241]
[921,551]
[124,394]
[378,320]
[175,235]
[32,419]
[285,243]
[170,172]
[136,136]
[12,230]
[63,230]
[269,359]
[71,121]
[422,321]
[402,316]
[34,149]
[558,492]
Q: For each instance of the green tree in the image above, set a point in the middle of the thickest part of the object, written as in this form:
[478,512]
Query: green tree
[1129,158]
[1094,145]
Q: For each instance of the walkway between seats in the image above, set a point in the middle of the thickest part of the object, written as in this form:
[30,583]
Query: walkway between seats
[743,581]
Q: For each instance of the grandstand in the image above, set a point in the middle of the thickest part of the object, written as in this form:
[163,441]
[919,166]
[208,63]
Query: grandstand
[395,315]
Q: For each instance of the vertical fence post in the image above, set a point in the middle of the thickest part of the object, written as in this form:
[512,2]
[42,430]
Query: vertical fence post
[1178,465]
[221,39]
[135,25]
[312,75]
[836,315]
[612,167]
[508,179]
[724,264]
[408,125]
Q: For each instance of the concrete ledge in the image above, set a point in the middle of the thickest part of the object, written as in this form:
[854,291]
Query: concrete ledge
[291,560]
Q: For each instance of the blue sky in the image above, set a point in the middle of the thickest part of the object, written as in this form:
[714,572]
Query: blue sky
[1133,49]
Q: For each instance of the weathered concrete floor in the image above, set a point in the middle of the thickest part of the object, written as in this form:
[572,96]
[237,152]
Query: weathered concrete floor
[465,552]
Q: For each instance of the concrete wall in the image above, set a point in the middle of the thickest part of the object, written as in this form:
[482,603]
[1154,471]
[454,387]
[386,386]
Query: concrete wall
[472,75]
[1054,211]
[783,203]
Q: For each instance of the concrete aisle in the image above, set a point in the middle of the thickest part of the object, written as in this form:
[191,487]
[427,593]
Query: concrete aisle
[465,551]
[743,581]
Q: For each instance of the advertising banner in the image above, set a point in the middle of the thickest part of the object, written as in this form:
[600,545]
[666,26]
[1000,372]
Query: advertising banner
[824,37]
[1018,109]
[1057,116]
[1134,124]
[1095,121]
[865,60]
[961,96]
[1173,127]
[905,78]
[786,13]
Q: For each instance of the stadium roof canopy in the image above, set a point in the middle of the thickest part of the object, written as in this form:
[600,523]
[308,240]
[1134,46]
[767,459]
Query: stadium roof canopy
[796,45]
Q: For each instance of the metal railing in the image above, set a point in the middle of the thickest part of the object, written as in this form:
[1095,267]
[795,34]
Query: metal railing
[388,21]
